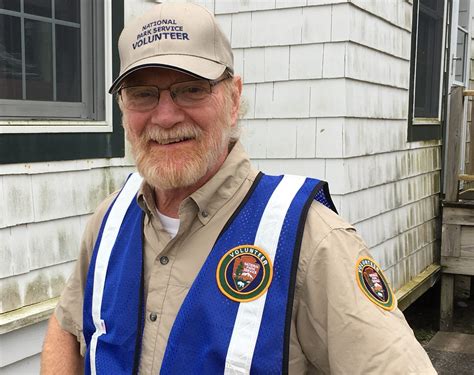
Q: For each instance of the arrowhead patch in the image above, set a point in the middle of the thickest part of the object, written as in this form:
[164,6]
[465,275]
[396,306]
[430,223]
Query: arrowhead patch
[373,283]
[244,273]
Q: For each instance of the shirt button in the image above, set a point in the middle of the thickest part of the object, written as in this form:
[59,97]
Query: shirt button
[204,214]
[164,260]
[153,316]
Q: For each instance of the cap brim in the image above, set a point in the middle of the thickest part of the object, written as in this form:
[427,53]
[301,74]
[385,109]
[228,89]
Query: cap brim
[196,66]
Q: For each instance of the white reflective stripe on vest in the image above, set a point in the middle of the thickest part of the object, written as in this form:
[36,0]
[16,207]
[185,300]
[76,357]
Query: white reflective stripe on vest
[109,235]
[249,315]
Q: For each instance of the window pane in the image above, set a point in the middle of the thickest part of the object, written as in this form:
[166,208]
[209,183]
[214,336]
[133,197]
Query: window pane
[10,57]
[428,61]
[38,7]
[38,54]
[463,20]
[68,64]
[68,10]
[433,4]
[10,4]
[424,57]
[460,54]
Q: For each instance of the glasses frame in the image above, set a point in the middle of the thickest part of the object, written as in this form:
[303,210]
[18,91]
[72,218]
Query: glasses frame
[212,83]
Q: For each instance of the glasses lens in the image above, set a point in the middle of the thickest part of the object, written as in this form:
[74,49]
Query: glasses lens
[140,98]
[191,93]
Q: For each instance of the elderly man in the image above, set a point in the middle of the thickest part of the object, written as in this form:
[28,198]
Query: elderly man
[202,265]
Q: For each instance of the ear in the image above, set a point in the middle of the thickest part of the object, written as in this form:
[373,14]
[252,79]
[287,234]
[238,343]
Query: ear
[236,94]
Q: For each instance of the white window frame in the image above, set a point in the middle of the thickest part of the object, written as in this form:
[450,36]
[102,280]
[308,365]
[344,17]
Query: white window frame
[21,126]
[452,78]
[453,43]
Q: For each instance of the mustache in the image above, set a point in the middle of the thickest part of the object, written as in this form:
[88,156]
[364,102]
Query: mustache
[174,134]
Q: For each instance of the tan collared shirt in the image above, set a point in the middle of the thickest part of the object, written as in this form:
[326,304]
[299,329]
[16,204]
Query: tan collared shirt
[335,328]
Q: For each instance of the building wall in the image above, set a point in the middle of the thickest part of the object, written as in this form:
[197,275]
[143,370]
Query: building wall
[326,90]
[45,208]
[20,350]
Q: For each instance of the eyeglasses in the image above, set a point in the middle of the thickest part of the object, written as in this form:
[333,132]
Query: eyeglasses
[184,94]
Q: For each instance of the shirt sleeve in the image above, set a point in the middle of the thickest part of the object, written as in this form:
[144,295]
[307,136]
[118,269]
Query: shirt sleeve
[69,308]
[341,331]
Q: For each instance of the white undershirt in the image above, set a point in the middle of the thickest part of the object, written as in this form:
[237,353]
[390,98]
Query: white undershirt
[170,224]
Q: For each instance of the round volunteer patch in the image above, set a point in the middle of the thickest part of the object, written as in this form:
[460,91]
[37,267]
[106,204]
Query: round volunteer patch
[244,273]
[373,283]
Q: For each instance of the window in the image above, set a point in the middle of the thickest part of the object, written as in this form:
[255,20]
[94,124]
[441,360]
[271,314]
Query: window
[55,67]
[428,59]
[426,71]
[460,43]
[45,57]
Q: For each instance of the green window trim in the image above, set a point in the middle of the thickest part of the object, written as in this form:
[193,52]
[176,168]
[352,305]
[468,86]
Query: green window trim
[418,129]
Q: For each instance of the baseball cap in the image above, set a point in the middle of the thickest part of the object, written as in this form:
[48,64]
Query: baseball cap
[180,36]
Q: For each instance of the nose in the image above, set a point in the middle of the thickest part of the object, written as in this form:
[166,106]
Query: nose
[167,114]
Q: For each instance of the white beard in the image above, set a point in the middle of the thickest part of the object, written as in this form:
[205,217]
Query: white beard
[170,171]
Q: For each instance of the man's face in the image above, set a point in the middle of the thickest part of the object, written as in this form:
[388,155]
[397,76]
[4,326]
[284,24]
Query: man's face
[176,147]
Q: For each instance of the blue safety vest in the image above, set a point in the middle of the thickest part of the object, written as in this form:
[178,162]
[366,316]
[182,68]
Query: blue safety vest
[236,316]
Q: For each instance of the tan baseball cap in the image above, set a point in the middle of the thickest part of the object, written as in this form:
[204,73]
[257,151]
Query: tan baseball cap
[181,36]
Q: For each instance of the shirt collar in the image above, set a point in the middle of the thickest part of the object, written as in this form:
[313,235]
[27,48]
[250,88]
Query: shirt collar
[212,196]
[146,199]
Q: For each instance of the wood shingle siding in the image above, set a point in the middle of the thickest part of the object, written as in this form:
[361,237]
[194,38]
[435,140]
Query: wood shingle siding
[43,215]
